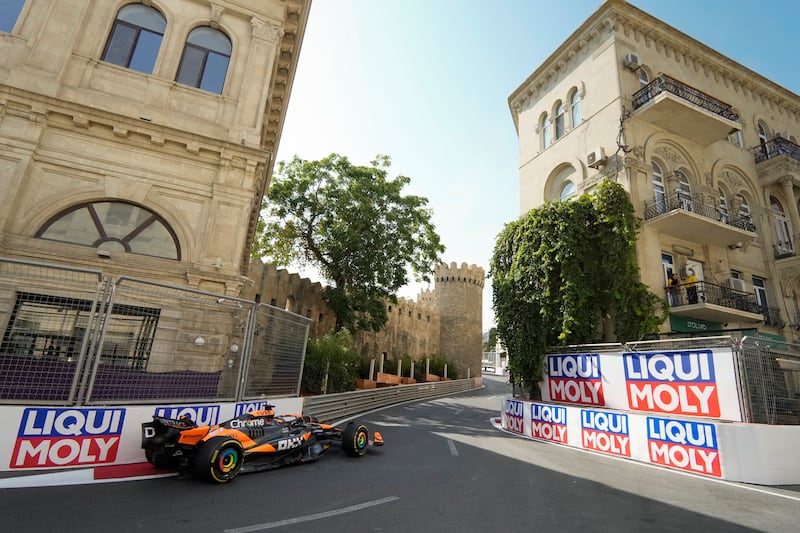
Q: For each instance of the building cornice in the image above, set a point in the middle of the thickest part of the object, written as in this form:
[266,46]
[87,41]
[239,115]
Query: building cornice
[622,18]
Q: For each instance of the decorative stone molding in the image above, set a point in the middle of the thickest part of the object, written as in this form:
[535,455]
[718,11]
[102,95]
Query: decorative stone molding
[216,15]
[269,31]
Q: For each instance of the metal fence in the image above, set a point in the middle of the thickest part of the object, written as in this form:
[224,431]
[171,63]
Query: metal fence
[77,337]
[767,371]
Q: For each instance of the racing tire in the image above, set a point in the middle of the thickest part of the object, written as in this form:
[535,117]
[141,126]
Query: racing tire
[219,459]
[355,439]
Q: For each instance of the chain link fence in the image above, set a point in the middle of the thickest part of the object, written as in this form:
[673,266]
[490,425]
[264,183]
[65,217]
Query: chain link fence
[77,337]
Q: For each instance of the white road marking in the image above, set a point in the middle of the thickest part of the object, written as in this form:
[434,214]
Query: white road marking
[453,450]
[309,518]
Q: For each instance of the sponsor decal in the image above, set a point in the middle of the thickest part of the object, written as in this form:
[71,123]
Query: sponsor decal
[288,444]
[549,422]
[513,416]
[67,437]
[235,424]
[684,444]
[247,407]
[605,432]
[575,378]
[672,382]
[202,415]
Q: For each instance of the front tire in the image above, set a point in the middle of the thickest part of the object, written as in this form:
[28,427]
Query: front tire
[219,459]
[355,439]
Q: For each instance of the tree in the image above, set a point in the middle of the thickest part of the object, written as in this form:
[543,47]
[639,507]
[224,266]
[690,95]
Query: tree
[491,341]
[566,273]
[354,225]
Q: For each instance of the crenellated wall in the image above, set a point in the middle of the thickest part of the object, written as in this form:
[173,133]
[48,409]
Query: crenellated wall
[446,320]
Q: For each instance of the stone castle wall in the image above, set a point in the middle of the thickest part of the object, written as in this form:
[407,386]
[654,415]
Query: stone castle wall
[445,321]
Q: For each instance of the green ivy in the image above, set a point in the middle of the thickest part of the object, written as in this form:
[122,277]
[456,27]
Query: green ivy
[566,273]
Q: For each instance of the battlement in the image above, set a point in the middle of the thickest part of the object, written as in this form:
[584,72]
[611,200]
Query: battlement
[471,274]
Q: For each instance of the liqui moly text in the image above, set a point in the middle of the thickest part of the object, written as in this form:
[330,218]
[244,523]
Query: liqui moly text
[67,437]
[549,422]
[672,382]
[514,416]
[575,378]
[683,444]
[605,432]
[246,407]
[202,415]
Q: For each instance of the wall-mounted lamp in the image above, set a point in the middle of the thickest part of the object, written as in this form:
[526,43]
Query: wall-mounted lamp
[103,254]
[736,245]
[199,341]
[683,250]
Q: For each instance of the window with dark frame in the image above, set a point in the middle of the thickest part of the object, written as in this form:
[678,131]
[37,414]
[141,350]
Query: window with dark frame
[135,38]
[205,60]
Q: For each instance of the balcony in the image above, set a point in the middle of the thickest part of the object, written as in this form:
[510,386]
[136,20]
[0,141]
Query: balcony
[777,147]
[674,106]
[714,303]
[696,218]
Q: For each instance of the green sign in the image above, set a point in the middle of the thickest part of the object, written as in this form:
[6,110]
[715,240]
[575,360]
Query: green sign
[682,323]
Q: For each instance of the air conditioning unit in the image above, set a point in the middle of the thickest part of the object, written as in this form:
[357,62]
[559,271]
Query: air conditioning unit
[632,62]
[736,284]
[596,158]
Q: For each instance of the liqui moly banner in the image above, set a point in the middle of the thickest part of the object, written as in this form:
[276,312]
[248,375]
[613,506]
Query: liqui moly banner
[514,416]
[58,437]
[695,383]
[684,444]
[549,422]
[575,378]
[606,432]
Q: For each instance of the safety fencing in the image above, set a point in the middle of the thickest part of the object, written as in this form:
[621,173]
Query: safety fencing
[761,376]
[78,337]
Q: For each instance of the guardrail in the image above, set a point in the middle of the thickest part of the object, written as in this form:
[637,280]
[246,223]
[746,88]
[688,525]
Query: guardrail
[334,407]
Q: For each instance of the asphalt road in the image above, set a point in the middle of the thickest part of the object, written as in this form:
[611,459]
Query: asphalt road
[444,468]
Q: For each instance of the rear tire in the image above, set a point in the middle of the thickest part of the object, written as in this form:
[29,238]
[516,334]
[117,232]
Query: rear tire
[219,459]
[355,439]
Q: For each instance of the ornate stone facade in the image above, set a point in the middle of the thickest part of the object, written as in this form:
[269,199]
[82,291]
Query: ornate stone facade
[107,163]
[706,147]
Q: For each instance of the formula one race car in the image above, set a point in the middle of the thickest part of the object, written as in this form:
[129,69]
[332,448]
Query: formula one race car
[254,441]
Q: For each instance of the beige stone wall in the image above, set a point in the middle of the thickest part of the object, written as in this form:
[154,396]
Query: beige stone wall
[444,321]
[75,129]
[459,297]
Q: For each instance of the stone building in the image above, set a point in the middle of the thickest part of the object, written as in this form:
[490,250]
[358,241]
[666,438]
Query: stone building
[139,138]
[445,321]
[706,147]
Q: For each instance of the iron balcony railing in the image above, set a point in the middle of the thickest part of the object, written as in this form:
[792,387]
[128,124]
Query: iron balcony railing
[664,83]
[772,316]
[703,292]
[698,204]
[777,146]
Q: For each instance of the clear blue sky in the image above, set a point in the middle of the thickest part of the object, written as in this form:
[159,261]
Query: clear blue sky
[427,83]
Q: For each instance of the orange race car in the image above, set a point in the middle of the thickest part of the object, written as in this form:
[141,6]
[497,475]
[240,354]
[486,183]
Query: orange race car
[258,440]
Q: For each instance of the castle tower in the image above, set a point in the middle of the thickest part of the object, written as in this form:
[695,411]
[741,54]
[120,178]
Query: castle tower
[459,298]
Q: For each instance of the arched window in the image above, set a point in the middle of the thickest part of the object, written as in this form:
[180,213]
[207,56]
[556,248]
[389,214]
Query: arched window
[745,217]
[658,189]
[723,207]
[113,227]
[783,239]
[563,184]
[9,13]
[644,78]
[763,136]
[135,38]
[684,190]
[568,190]
[560,120]
[205,60]
[546,131]
[575,109]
